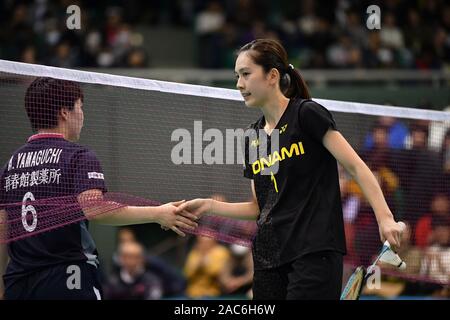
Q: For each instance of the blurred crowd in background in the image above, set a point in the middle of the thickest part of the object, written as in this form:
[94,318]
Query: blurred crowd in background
[411,162]
[317,34]
[211,270]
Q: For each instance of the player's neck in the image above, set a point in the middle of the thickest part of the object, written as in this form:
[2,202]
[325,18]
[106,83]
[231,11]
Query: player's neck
[274,109]
[53,131]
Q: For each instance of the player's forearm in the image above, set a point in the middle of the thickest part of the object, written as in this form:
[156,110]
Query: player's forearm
[102,211]
[372,191]
[125,216]
[239,210]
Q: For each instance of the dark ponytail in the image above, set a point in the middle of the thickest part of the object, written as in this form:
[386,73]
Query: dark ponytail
[296,86]
[270,54]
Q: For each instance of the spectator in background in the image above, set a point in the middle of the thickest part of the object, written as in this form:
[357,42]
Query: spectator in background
[429,10]
[445,161]
[28,55]
[121,43]
[133,282]
[440,214]
[16,32]
[366,229]
[105,58]
[375,55]
[173,283]
[351,200]
[113,25]
[245,12]
[204,265]
[124,235]
[379,160]
[92,47]
[209,25]
[441,45]
[65,56]
[344,53]
[355,29]
[435,263]
[415,31]
[418,169]
[308,20]
[391,36]
[321,38]
[237,275]
[397,132]
[211,19]
[427,58]
[137,58]
[438,129]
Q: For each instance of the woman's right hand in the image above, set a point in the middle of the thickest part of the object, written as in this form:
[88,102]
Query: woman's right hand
[198,207]
[172,218]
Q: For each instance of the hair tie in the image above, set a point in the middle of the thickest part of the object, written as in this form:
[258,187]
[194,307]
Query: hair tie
[291,66]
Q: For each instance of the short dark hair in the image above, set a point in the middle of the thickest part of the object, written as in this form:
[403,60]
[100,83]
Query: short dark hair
[46,96]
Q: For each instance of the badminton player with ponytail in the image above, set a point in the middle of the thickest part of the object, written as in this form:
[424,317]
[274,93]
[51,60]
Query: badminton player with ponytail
[299,245]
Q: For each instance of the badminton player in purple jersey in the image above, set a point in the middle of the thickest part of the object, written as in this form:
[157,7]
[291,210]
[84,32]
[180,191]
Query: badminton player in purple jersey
[299,245]
[53,165]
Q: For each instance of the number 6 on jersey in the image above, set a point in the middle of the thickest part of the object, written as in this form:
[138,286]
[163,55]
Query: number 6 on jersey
[28,208]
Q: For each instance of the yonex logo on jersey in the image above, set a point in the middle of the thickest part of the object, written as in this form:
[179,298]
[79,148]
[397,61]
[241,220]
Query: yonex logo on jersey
[255,143]
[96,175]
[283,128]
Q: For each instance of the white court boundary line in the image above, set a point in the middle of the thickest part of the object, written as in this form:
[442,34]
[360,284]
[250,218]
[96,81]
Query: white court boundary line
[36,70]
